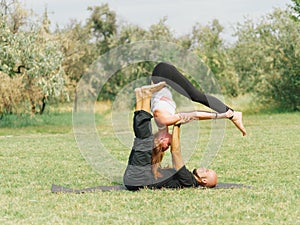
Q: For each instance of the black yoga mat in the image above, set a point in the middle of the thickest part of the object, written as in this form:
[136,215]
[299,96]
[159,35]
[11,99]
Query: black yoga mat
[61,189]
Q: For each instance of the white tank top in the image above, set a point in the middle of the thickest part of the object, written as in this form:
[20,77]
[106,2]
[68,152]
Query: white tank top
[163,99]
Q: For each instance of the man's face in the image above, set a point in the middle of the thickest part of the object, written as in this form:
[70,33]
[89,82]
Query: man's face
[203,172]
[206,176]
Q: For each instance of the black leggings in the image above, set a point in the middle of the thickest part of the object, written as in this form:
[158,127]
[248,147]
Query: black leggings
[167,72]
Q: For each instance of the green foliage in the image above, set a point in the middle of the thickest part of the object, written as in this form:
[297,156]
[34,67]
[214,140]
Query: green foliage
[47,119]
[103,25]
[78,51]
[34,55]
[207,43]
[296,8]
[48,65]
[129,34]
[160,31]
[266,57]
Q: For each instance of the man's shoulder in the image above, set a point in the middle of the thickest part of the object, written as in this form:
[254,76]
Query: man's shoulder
[186,177]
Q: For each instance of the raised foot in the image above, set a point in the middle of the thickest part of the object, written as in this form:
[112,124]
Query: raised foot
[150,89]
[138,92]
[238,122]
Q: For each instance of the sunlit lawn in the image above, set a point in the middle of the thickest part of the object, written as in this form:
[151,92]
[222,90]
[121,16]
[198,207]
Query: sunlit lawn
[32,158]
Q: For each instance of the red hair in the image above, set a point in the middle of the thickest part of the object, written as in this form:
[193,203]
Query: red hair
[157,156]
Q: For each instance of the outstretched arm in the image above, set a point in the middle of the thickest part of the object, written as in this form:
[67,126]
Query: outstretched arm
[175,148]
[163,117]
[202,115]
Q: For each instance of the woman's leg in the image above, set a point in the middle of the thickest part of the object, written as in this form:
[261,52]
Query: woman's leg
[167,72]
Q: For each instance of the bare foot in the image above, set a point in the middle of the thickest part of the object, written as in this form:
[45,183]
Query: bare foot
[138,92]
[229,114]
[150,89]
[238,122]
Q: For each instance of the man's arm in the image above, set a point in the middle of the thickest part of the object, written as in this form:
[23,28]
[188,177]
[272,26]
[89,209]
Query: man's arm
[175,148]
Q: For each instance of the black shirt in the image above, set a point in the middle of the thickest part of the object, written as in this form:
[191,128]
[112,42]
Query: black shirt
[182,178]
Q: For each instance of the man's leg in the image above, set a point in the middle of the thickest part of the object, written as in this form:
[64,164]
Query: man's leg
[138,172]
[138,99]
[143,95]
[142,117]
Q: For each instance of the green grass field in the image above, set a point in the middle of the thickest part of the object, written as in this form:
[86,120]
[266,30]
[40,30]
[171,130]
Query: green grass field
[32,157]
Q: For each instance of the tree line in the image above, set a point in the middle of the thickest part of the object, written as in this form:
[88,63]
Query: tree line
[38,65]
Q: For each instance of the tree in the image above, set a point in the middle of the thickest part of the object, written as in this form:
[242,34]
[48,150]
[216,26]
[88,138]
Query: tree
[103,25]
[160,31]
[127,34]
[266,57]
[15,15]
[208,44]
[296,10]
[33,56]
[78,50]
[11,96]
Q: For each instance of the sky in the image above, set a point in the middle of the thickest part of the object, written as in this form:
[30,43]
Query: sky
[181,15]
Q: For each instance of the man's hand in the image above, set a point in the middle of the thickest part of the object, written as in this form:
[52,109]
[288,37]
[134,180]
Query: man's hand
[175,147]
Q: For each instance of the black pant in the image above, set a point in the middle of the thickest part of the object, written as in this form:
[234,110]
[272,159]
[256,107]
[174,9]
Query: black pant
[167,72]
[142,124]
[138,172]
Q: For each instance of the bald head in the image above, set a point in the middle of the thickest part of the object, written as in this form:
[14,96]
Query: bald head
[212,179]
[206,177]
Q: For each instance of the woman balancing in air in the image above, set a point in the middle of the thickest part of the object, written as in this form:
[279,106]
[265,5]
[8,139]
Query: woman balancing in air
[163,106]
